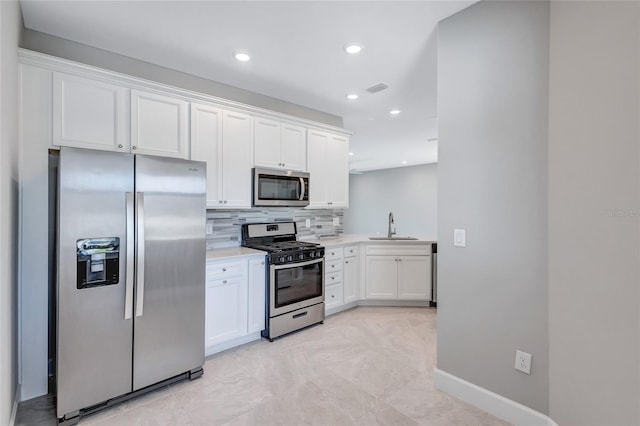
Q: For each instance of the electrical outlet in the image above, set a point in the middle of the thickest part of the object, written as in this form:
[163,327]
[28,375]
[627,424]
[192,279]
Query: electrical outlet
[336,221]
[307,223]
[209,228]
[523,362]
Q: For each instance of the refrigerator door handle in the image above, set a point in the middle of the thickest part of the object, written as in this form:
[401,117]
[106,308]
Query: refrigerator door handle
[140,253]
[128,289]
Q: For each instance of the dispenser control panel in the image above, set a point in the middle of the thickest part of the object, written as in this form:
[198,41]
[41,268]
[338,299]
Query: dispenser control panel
[98,262]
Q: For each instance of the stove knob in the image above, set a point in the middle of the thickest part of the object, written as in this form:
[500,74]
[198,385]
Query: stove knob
[289,258]
[281,259]
[301,256]
[312,254]
[318,254]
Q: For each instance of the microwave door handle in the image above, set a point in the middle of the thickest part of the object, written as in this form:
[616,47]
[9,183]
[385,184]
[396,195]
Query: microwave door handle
[302,189]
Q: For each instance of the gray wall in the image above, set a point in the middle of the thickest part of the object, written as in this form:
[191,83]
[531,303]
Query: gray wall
[82,53]
[410,192]
[594,213]
[11,24]
[493,106]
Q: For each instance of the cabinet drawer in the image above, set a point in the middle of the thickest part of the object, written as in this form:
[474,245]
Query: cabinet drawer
[333,278]
[333,253]
[406,250]
[351,251]
[225,269]
[231,281]
[333,296]
[333,266]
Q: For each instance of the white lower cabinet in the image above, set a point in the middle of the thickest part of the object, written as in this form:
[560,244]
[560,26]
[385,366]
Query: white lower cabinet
[351,274]
[398,272]
[235,302]
[226,306]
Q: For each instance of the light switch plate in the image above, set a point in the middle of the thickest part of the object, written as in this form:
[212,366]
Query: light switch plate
[336,221]
[459,238]
[209,228]
[307,223]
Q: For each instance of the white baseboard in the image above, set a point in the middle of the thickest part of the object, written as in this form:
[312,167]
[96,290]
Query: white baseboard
[210,350]
[490,402]
[14,410]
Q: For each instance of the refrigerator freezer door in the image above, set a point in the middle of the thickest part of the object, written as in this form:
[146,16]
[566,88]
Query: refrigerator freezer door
[169,320]
[94,331]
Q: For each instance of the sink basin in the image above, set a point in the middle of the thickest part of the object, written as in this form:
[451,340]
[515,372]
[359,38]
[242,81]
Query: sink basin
[393,238]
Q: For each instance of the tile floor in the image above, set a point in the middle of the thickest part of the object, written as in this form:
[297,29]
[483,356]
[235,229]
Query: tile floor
[365,366]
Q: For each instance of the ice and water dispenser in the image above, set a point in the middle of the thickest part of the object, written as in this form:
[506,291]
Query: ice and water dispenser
[98,261]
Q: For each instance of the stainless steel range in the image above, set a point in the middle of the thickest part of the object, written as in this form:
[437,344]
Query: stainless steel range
[295,277]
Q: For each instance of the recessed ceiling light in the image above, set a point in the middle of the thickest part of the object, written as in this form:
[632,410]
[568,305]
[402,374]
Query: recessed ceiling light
[241,56]
[351,153]
[394,112]
[404,162]
[353,48]
[352,96]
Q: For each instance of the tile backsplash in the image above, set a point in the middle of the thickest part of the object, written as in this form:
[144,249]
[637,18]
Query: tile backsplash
[226,223]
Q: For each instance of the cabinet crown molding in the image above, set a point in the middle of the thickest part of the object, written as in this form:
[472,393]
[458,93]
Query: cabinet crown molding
[53,63]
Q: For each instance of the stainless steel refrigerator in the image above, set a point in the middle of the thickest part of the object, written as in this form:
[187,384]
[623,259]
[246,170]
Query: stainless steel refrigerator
[130,275]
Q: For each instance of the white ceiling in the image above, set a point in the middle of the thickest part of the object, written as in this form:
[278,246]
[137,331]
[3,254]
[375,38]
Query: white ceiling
[297,56]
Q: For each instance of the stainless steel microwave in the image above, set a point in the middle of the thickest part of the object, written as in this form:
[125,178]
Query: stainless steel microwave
[280,188]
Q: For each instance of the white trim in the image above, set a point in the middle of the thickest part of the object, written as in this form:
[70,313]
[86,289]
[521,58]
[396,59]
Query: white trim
[211,350]
[495,404]
[54,63]
[14,411]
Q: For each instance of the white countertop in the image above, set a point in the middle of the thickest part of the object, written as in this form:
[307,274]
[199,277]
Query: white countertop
[346,239]
[233,252]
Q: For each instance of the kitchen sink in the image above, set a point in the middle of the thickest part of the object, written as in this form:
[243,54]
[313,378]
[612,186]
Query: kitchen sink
[393,238]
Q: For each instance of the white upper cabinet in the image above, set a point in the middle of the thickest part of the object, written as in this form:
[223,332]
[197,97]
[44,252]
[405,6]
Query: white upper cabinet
[206,145]
[89,114]
[328,166]
[236,159]
[279,145]
[222,139]
[159,125]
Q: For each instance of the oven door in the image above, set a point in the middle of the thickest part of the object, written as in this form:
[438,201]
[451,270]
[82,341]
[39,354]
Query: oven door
[295,286]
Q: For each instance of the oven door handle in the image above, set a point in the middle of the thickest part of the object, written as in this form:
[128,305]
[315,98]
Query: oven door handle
[296,265]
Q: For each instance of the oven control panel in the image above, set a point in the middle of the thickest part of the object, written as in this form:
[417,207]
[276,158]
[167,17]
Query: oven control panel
[295,256]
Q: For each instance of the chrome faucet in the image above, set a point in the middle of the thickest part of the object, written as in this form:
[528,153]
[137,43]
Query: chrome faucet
[391,222]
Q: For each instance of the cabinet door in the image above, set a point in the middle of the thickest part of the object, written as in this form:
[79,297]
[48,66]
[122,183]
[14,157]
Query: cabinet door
[316,166]
[226,309]
[159,125]
[294,147]
[206,138]
[266,143]
[350,280]
[236,159]
[338,171]
[89,114]
[257,294]
[382,277]
[333,296]
[414,277]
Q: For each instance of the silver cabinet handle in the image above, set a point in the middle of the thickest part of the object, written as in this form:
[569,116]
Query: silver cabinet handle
[346,261]
[225,201]
[134,147]
[140,250]
[220,202]
[119,145]
[224,269]
[224,281]
[128,286]
[262,263]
